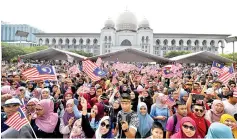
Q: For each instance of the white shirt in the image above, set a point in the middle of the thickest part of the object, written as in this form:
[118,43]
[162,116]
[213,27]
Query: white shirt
[230,108]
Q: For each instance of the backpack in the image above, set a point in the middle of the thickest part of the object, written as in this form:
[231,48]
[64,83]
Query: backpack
[175,122]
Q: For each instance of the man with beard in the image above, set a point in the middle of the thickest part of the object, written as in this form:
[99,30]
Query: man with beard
[173,123]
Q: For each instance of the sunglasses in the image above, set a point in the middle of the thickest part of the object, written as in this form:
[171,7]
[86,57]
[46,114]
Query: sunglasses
[192,128]
[200,110]
[105,125]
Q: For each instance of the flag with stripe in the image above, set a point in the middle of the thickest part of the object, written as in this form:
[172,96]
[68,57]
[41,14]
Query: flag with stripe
[167,73]
[17,120]
[225,77]
[219,68]
[99,61]
[89,67]
[40,73]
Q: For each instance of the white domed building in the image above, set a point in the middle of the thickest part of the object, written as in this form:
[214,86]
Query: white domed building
[128,32]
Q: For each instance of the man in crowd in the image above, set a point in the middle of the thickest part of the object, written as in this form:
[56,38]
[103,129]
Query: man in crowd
[230,104]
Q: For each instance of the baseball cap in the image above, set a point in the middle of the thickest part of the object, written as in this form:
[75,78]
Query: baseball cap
[12,101]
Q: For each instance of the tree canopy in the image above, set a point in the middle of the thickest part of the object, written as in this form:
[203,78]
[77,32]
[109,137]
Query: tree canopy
[176,53]
[11,52]
[230,56]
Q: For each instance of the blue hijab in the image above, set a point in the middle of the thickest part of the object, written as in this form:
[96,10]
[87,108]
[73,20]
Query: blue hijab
[219,130]
[182,93]
[145,121]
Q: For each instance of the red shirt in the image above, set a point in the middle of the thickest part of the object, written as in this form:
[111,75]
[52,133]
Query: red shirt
[201,126]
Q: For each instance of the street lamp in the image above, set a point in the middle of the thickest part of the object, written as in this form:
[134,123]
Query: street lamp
[232,39]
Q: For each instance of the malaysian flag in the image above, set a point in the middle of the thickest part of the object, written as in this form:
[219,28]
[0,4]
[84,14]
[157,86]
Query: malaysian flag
[40,73]
[225,77]
[167,73]
[219,68]
[17,120]
[99,61]
[74,69]
[89,68]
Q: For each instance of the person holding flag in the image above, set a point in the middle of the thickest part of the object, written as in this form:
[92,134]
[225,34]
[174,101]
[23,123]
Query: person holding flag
[14,123]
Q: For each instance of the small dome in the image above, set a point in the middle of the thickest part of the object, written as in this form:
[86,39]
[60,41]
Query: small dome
[109,23]
[144,23]
[127,21]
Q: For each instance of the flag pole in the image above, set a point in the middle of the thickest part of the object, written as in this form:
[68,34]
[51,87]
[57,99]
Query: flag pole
[29,124]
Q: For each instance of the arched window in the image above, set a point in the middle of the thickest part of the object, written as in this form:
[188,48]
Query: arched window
[74,41]
[143,38]
[40,41]
[220,44]
[189,43]
[181,42]
[173,42]
[212,43]
[106,38]
[47,41]
[109,38]
[165,42]
[126,43]
[196,43]
[147,38]
[157,42]
[81,41]
[95,41]
[204,43]
[53,41]
[60,41]
[67,41]
[88,41]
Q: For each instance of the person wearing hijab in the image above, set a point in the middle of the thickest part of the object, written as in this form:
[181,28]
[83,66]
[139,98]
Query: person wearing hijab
[97,112]
[145,121]
[146,98]
[219,130]
[30,106]
[188,129]
[231,122]
[45,94]
[134,100]
[104,129]
[183,97]
[77,132]
[69,116]
[36,93]
[159,110]
[216,111]
[45,125]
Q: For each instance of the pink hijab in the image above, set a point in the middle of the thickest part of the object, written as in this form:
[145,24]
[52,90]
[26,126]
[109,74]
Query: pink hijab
[181,134]
[215,116]
[48,121]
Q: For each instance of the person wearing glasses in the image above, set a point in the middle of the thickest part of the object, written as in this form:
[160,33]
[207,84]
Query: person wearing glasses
[197,114]
[188,129]
[105,125]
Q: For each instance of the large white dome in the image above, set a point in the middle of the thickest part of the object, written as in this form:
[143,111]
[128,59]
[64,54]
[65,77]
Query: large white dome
[109,23]
[144,23]
[127,21]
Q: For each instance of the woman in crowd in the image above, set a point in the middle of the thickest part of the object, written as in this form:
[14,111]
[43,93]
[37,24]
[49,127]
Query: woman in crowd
[145,121]
[183,97]
[231,122]
[47,123]
[70,115]
[134,100]
[97,112]
[146,98]
[188,129]
[30,107]
[219,131]
[77,132]
[45,94]
[159,110]
[104,129]
[37,93]
[216,111]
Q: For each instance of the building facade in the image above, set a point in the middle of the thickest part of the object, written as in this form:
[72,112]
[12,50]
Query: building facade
[128,33]
[8,32]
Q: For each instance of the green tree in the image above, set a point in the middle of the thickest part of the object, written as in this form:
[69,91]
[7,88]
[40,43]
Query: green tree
[176,53]
[230,56]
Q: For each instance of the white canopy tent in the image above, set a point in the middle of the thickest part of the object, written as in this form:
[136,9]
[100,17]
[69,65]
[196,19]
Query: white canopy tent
[131,55]
[200,57]
[52,54]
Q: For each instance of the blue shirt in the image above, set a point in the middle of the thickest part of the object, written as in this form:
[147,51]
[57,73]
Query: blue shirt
[156,111]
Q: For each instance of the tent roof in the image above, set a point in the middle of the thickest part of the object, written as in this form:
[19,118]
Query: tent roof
[131,55]
[52,54]
[200,57]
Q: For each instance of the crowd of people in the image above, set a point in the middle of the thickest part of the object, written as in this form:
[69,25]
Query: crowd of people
[131,104]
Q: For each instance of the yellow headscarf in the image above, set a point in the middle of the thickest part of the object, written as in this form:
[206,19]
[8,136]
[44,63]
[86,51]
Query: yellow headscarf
[224,117]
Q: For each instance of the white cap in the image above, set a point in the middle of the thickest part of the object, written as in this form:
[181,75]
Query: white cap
[12,101]
[209,91]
